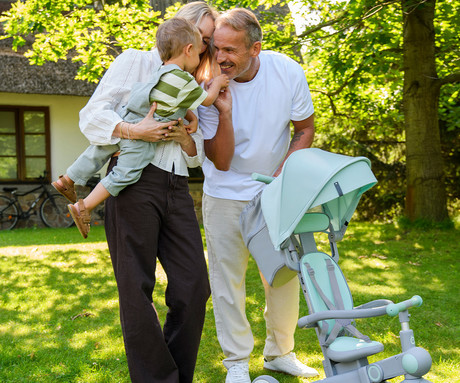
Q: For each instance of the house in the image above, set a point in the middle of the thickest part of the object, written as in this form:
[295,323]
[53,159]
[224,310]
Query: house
[39,108]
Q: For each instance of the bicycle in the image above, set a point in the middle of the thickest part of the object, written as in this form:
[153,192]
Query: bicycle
[52,210]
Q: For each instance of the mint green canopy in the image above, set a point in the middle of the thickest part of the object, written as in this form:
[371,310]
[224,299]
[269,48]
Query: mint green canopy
[314,178]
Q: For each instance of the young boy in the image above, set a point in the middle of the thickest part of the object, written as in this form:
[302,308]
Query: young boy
[174,90]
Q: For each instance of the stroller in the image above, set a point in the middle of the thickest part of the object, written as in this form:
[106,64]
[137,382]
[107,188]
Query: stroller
[282,243]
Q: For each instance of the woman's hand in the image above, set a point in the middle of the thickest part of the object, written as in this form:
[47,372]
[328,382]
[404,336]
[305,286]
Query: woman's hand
[148,129]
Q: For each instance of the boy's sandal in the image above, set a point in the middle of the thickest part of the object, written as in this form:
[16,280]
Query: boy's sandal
[81,218]
[67,190]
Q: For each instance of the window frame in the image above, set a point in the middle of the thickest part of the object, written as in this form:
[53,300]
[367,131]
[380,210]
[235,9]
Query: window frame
[21,155]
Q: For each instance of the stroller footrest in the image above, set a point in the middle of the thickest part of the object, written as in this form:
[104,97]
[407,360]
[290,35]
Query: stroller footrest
[348,349]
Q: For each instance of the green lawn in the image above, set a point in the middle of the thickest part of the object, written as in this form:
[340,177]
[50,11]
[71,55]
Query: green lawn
[59,310]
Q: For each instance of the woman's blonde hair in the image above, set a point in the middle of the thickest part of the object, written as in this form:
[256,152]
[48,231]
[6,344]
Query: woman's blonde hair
[195,12]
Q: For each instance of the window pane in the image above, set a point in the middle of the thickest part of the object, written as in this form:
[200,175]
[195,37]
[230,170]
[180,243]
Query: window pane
[35,145]
[7,145]
[34,122]
[8,168]
[7,122]
[35,167]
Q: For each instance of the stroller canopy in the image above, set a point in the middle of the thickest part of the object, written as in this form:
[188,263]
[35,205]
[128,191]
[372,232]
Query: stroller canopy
[314,178]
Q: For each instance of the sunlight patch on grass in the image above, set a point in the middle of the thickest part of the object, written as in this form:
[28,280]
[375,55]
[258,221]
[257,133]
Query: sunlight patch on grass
[389,289]
[160,275]
[34,250]
[60,369]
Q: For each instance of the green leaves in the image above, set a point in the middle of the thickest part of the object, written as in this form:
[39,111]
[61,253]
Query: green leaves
[74,29]
[352,53]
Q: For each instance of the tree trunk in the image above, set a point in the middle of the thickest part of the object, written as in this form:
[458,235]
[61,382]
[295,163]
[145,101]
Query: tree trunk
[425,193]
[161,5]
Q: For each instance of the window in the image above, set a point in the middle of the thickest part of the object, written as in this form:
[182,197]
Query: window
[24,143]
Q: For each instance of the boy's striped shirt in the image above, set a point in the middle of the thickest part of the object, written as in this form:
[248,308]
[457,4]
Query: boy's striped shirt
[176,89]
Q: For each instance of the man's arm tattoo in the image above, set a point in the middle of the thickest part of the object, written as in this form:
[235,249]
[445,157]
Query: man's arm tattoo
[295,138]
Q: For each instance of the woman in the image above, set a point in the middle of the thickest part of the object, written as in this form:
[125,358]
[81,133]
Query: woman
[155,219]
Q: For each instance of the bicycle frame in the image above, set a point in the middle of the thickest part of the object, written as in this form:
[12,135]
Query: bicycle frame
[24,214]
[51,208]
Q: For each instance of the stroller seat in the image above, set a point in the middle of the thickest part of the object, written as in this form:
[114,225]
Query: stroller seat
[347,349]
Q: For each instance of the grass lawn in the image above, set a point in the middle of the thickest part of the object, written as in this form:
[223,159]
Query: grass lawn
[59,309]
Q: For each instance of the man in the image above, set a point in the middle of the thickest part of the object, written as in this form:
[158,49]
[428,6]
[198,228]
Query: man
[248,131]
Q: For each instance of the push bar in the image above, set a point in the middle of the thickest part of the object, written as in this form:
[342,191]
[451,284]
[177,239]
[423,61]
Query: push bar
[391,309]
[262,178]
[394,309]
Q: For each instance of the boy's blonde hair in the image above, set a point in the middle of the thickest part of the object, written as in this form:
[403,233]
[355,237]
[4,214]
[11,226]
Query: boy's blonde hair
[173,35]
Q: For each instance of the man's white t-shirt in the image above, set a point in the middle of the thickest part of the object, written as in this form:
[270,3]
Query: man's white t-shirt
[262,111]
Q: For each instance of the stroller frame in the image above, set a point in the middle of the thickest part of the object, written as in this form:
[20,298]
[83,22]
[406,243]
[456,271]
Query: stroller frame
[329,301]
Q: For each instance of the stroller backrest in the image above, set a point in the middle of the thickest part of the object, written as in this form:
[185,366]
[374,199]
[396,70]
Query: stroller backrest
[312,222]
[326,286]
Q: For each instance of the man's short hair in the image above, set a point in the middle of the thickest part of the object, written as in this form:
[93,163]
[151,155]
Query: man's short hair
[241,19]
[173,35]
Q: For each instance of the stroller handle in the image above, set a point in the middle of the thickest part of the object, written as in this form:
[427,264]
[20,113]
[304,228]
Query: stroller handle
[262,178]
[391,309]
[394,309]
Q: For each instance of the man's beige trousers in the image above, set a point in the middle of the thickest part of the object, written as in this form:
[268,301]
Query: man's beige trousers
[228,260]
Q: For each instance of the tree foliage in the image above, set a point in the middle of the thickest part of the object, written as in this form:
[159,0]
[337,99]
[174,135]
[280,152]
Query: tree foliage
[91,36]
[352,52]
[93,33]
[356,70]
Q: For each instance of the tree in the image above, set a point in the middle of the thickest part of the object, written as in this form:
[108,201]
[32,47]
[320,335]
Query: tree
[90,32]
[383,72]
[359,50]
[94,32]
[425,197]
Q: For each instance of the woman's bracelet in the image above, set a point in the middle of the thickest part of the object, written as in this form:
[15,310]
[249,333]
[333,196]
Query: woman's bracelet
[129,125]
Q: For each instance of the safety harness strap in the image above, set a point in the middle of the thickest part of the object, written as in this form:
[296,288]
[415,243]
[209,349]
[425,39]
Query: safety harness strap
[339,324]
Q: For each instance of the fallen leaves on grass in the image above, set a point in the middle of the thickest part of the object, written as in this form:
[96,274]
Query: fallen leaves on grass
[82,315]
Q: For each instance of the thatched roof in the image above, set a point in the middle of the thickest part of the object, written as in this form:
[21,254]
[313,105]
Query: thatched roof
[18,76]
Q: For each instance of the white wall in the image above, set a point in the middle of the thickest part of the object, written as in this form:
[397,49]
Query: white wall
[67,142]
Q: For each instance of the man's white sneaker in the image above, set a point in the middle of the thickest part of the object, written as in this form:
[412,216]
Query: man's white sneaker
[238,373]
[289,364]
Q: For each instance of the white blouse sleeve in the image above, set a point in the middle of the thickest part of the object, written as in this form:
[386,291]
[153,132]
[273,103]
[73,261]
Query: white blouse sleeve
[102,112]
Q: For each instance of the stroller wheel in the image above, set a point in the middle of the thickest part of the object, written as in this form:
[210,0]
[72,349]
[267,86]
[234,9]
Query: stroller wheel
[265,379]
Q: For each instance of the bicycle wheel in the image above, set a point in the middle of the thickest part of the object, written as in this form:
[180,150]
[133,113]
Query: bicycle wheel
[8,213]
[54,211]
